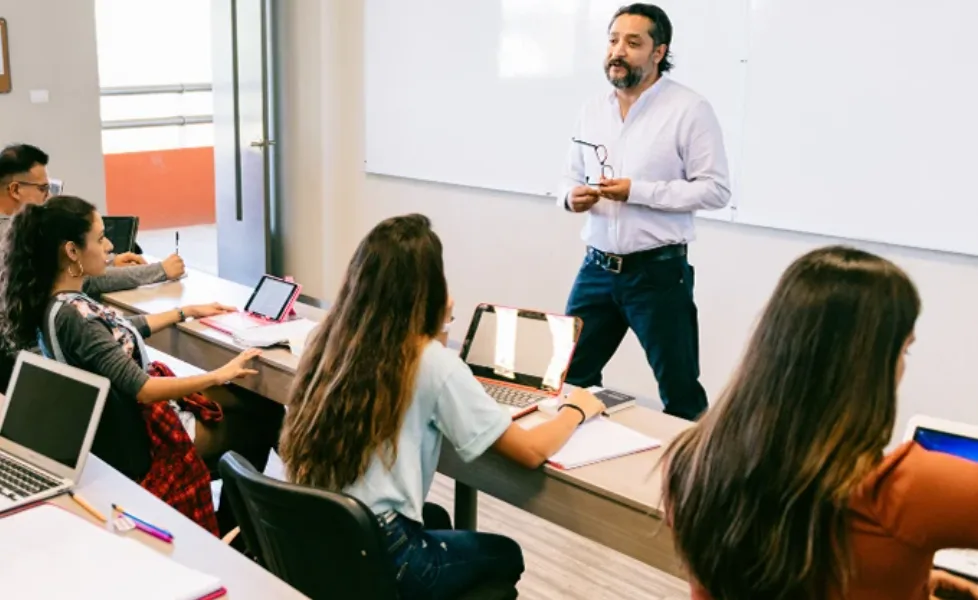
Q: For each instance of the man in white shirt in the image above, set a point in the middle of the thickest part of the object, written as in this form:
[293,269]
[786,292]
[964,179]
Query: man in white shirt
[644,159]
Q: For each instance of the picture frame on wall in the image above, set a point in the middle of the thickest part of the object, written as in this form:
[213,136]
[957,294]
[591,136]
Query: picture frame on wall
[5,86]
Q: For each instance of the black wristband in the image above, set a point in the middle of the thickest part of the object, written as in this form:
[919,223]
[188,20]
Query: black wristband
[577,408]
[183,317]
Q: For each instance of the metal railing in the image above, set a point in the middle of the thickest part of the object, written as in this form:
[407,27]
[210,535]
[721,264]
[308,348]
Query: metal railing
[157,122]
[146,90]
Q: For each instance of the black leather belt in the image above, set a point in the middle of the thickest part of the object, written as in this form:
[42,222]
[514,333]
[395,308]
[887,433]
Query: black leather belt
[618,263]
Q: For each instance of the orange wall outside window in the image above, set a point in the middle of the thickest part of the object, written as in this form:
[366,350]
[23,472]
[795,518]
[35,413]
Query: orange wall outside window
[164,188]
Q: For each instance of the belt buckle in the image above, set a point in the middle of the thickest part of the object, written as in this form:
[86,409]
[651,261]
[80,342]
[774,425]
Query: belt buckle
[614,263]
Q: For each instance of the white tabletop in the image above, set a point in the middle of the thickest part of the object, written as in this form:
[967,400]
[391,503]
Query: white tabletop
[194,547]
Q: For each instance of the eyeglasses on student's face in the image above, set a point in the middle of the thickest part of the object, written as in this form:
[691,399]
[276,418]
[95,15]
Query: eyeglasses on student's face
[52,188]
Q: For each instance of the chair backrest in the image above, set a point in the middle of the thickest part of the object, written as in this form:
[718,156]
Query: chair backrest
[326,545]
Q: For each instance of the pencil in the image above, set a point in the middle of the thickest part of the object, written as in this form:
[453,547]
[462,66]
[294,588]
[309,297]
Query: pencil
[88,507]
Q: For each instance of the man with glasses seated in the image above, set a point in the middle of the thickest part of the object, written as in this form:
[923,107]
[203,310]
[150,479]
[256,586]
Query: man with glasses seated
[645,157]
[24,180]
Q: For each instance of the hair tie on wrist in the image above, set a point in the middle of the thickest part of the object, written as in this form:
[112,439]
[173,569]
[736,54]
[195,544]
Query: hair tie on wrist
[577,408]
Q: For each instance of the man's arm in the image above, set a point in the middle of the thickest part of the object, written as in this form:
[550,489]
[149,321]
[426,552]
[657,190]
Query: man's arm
[117,279]
[707,183]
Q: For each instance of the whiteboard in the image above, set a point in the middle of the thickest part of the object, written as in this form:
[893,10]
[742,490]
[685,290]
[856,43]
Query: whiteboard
[488,96]
[862,121]
[849,119]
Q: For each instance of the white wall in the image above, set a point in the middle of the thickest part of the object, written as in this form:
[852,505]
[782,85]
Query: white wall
[523,250]
[52,47]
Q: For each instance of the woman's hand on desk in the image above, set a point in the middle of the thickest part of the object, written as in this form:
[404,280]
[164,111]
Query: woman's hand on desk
[945,585]
[586,401]
[532,447]
[237,369]
[202,311]
[174,267]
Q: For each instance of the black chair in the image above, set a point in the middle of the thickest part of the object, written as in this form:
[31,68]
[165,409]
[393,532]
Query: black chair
[323,544]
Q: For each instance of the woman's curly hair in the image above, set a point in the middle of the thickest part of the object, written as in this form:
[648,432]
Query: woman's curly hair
[32,261]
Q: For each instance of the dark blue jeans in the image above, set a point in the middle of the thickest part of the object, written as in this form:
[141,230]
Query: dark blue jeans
[437,562]
[655,300]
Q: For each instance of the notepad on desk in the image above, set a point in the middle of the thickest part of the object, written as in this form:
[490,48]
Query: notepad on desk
[47,552]
[291,332]
[600,440]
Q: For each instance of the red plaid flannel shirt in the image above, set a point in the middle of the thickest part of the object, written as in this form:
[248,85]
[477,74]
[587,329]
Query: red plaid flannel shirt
[177,474]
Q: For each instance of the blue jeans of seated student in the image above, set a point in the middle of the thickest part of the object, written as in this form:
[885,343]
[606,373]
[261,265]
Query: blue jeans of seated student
[438,563]
[654,298]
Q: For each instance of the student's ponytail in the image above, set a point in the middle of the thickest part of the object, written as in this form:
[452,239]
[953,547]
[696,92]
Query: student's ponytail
[31,262]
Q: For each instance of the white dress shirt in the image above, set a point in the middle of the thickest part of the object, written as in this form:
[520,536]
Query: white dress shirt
[671,147]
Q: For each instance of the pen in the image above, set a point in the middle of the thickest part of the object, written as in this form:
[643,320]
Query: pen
[88,507]
[177,234]
[153,532]
[139,521]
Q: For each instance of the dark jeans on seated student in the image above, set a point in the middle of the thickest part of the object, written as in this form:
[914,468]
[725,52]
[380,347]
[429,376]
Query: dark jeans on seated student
[434,561]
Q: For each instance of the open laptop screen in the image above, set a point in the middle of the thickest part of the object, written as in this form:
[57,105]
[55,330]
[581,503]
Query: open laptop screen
[121,231]
[521,347]
[948,443]
[49,413]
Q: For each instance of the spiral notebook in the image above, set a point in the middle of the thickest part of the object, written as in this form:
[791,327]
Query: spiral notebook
[48,552]
[600,440]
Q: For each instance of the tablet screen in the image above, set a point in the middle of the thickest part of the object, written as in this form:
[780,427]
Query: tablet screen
[271,298]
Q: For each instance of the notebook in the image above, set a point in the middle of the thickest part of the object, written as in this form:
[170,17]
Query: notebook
[294,333]
[88,562]
[600,440]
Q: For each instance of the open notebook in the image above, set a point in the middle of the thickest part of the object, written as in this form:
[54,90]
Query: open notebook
[47,552]
[294,333]
[599,440]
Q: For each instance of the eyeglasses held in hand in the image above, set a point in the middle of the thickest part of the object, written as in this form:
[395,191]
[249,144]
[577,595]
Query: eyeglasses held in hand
[607,171]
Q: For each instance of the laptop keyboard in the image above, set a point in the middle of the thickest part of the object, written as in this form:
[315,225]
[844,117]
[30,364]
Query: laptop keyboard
[511,396]
[17,481]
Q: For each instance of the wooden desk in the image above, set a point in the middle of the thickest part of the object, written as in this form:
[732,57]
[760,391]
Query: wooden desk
[203,346]
[192,546]
[616,503]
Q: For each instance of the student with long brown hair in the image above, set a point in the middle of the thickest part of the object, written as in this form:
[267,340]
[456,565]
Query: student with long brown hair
[783,491]
[375,393]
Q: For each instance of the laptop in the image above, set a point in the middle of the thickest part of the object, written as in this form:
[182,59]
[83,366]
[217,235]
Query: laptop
[47,424]
[121,231]
[520,356]
[271,302]
[957,439]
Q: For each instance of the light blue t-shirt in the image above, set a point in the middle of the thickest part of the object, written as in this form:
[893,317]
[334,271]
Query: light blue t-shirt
[448,401]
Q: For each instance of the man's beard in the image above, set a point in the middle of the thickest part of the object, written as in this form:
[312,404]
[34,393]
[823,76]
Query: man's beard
[631,78]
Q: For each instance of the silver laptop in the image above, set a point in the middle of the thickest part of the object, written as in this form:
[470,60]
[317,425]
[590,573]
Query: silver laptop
[47,424]
[520,356]
[957,439]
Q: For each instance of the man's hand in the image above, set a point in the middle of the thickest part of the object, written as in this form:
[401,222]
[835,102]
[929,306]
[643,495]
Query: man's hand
[174,268]
[128,259]
[945,585]
[615,189]
[582,198]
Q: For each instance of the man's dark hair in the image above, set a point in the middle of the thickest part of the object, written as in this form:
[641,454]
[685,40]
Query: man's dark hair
[661,30]
[20,158]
